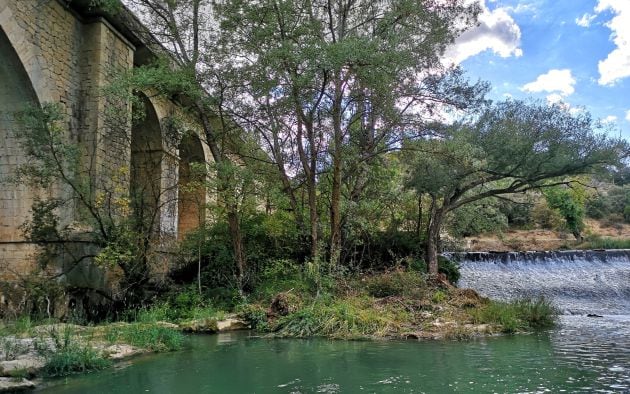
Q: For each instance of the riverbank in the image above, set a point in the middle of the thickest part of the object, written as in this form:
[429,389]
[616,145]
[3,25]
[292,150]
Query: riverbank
[395,305]
[30,352]
[400,304]
[598,234]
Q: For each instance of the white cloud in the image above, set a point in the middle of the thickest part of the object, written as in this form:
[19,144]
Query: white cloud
[617,65]
[554,98]
[576,110]
[628,115]
[610,119]
[497,31]
[585,20]
[522,8]
[555,81]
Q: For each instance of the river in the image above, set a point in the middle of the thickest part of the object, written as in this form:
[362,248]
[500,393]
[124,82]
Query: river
[582,355]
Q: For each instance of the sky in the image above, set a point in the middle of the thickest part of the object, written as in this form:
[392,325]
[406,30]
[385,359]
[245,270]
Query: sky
[576,52]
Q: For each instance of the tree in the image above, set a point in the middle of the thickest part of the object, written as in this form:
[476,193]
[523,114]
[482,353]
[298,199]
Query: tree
[570,201]
[511,147]
[185,70]
[85,210]
[328,86]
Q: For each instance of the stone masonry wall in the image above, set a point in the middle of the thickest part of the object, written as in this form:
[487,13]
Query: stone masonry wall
[50,54]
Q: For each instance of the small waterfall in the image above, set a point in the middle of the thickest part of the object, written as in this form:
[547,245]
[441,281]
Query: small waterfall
[577,282]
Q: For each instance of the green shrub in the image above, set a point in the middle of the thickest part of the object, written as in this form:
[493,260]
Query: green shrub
[439,296]
[517,315]
[11,348]
[282,275]
[303,323]
[74,359]
[347,318]
[255,315]
[476,218]
[154,337]
[396,283]
[503,314]
[596,242]
[539,313]
[449,268]
[68,353]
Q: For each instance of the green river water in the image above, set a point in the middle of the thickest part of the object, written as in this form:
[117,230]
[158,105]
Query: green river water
[582,355]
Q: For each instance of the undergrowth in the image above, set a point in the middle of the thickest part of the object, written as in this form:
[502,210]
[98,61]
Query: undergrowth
[518,315]
[67,353]
[151,336]
[597,242]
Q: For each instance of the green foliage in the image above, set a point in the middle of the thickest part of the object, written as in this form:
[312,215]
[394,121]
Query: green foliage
[476,218]
[596,242]
[10,348]
[439,296]
[152,336]
[74,359]
[395,283]
[44,139]
[175,306]
[345,318]
[610,203]
[110,6]
[449,268]
[546,217]
[69,353]
[569,201]
[280,276]
[255,315]
[517,315]
[375,249]
[271,245]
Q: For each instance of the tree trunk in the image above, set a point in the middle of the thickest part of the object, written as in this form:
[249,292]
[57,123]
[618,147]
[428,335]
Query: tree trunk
[419,219]
[433,238]
[335,210]
[225,197]
[314,219]
[237,246]
[335,199]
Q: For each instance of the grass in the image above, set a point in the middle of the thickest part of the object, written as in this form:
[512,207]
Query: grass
[74,359]
[21,326]
[516,316]
[350,318]
[10,348]
[597,242]
[67,353]
[151,336]
[395,304]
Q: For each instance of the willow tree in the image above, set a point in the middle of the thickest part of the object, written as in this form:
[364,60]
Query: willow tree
[327,86]
[511,147]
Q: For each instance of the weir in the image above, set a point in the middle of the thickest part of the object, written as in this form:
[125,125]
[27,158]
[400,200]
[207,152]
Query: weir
[577,282]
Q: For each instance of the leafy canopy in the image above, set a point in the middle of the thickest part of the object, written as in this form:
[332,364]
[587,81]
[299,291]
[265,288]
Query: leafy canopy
[512,147]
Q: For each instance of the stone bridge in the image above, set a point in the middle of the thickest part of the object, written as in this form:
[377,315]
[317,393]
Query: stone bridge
[60,51]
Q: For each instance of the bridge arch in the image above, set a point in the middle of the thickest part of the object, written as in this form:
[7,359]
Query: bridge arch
[27,52]
[147,161]
[16,94]
[191,197]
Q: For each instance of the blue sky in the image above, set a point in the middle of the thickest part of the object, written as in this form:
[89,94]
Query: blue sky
[571,51]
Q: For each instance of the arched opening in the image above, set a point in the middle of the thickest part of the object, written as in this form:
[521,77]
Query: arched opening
[16,94]
[147,155]
[191,199]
